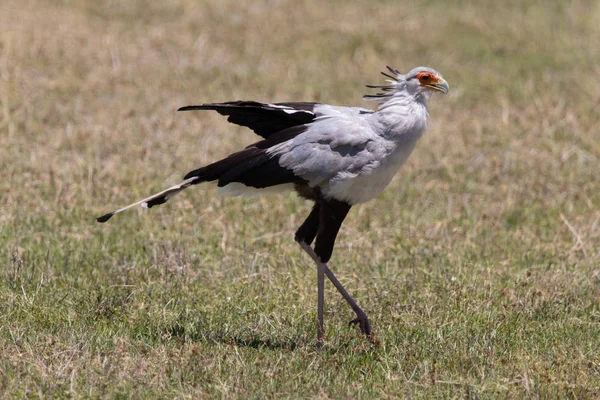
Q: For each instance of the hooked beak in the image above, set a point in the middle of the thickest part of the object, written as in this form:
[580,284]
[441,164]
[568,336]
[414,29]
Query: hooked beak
[441,86]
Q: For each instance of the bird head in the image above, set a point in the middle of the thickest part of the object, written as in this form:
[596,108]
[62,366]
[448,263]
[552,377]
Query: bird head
[420,81]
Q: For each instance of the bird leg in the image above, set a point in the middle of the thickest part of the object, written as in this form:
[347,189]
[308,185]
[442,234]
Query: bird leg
[306,234]
[361,317]
[320,302]
[324,222]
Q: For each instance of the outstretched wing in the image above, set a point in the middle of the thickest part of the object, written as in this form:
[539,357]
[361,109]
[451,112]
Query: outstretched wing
[264,119]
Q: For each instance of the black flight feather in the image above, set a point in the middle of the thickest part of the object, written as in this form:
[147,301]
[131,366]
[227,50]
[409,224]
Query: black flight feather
[264,119]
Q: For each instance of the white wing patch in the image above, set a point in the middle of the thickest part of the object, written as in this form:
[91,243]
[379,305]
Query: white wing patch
[289,110]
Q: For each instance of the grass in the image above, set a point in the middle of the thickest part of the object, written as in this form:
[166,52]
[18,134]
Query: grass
[478,265]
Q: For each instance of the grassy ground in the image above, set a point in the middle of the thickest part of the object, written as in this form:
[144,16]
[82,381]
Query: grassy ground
[479,265]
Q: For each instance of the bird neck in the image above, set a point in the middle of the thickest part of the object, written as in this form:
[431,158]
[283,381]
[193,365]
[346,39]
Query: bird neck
[402,114]
[405,100]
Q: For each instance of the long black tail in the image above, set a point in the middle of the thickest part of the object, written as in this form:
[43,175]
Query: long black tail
[251,167]
[154,200]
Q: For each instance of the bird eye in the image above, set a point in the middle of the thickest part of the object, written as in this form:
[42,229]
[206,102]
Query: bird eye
[425,78]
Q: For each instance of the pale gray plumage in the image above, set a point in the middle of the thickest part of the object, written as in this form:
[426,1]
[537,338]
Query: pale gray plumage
[352,154]
[352,157]
[335,156]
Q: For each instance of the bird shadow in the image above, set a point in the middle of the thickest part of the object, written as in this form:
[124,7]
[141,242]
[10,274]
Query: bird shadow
[179,334]
[259,343]
[253,340]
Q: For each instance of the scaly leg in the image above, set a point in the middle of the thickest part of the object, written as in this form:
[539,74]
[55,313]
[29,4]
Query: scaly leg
[320,302]
[361,317]
[306,234]
[324,223]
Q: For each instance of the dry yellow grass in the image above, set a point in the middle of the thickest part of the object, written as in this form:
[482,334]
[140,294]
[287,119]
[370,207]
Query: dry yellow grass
[479,265]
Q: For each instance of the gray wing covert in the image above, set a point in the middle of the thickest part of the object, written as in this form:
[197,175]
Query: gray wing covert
[332,150]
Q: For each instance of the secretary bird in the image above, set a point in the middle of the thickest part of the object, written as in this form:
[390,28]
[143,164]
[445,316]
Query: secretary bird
[335,156]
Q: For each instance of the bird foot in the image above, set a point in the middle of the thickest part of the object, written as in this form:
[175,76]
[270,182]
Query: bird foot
[363,323]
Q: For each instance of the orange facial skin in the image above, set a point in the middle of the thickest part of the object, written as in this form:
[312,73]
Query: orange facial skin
[426,78]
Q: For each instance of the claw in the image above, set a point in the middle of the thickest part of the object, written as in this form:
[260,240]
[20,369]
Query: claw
[363,322]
